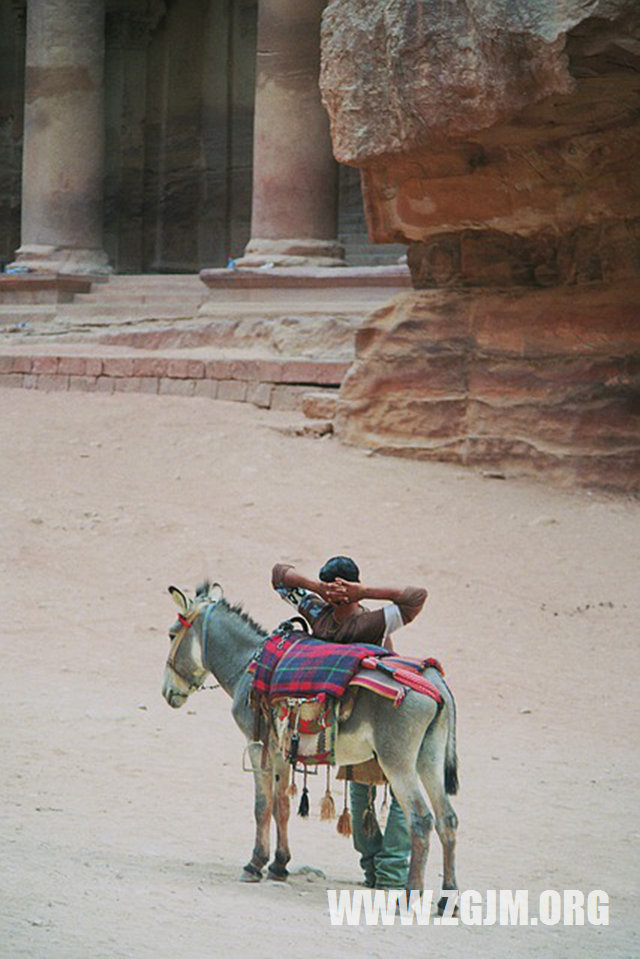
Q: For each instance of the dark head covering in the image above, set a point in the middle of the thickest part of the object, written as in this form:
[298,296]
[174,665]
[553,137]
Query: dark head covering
[339,567]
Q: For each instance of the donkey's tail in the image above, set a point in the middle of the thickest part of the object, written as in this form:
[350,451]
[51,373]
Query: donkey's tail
[450,755]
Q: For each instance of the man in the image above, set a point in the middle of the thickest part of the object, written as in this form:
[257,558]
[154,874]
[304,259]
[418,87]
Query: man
[331,606]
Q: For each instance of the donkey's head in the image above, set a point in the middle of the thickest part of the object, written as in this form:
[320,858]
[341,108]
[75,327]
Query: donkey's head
[185,671]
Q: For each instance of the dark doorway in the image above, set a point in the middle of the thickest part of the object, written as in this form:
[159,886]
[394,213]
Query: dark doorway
[179,135]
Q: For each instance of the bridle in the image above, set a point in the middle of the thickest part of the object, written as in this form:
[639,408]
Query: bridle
[186,623]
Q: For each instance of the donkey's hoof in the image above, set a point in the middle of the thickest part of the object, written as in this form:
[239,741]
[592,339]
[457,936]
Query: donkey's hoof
[442,905]
[277,873]
[250,874]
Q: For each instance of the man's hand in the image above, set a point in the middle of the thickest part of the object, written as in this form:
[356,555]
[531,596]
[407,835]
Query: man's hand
[295,580]
[341,592]
[324,590]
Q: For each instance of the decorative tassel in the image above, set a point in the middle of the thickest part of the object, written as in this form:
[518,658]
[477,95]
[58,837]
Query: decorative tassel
[303,808]
[344,826]
[293,789]
[328,806]
[293,748]
[369,821]
[384,809]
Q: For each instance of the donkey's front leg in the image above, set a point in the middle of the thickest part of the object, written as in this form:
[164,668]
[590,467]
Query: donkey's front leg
[262,806]
[278,868]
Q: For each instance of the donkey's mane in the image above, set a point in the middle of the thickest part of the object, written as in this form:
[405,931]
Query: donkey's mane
[202,590]
[237,610]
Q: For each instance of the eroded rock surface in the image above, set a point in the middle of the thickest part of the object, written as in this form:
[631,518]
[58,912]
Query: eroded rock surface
[397,74]
[502,142]
[540,382]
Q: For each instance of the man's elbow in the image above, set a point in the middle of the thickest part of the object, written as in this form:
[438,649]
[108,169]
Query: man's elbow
[413,600]
[279,574]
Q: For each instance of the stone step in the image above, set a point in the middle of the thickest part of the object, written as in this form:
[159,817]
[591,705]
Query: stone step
[328,280]
[304,337]
[311,313]
[39,288]
[390,250]
[97,315]
[279,384]
[390,256]
[152,279]
[17,313]
[373,259]
[100,313]
[145,289]
[320,405]
[116,300]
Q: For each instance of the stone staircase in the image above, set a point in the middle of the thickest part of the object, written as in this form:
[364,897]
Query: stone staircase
[281,341]
[114,300]
[149,296]
[352,226]
[359,251]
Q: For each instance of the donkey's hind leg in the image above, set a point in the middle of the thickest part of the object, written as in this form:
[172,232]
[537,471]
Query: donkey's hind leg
[407,791]
[262,806]
[431,771]
[281,805]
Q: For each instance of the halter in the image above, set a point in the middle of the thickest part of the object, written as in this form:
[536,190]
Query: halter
[187,622]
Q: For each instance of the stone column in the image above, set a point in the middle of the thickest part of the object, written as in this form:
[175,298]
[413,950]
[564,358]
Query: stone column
[63,158]
[294,206]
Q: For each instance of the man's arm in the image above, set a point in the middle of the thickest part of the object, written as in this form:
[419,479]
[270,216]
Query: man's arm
[408,599]
[308,596]
[288,577]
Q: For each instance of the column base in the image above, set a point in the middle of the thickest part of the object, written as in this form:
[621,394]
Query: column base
[303,252]
[42,258]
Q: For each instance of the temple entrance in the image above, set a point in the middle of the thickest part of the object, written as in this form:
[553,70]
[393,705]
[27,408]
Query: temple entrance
[179,96]
[179,108]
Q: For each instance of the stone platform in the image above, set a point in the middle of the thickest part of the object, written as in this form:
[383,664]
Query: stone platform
[396,277]
[28,288]
[255,336]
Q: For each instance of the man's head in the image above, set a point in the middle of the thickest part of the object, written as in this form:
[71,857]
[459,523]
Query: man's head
[339,567]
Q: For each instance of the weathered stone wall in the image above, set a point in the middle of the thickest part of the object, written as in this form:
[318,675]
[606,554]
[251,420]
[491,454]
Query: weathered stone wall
[502,142]
[12,53]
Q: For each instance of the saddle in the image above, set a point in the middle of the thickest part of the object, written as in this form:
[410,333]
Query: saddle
[304,687]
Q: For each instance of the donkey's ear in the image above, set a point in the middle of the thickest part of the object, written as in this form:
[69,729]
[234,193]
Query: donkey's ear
[215,593]
[179,598]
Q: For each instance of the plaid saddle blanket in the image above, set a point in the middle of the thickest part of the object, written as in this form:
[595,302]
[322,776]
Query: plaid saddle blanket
[295,666]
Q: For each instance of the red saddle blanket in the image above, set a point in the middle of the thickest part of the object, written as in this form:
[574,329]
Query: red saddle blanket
[291,664]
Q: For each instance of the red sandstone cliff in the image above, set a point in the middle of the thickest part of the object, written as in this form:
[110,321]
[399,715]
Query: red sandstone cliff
[501,142]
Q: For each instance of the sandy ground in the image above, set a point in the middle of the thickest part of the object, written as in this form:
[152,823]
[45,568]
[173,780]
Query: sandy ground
[124,824]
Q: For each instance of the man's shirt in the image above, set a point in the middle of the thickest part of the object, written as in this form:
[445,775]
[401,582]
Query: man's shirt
[367,626]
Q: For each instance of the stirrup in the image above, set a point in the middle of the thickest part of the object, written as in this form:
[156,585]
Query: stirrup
[250,768]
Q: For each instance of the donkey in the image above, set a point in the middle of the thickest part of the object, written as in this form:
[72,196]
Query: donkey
[414,744]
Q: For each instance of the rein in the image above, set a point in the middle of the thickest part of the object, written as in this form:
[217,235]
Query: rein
[187,623]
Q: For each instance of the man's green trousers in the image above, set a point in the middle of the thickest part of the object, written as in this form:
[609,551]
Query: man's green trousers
[384,856]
